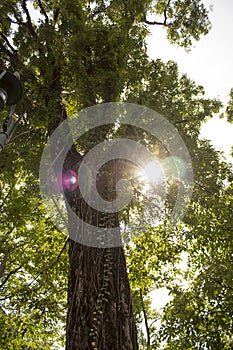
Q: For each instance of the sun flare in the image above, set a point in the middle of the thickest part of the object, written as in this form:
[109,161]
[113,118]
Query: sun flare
[153,172]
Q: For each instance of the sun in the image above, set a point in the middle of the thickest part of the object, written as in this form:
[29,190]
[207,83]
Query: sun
[153,172]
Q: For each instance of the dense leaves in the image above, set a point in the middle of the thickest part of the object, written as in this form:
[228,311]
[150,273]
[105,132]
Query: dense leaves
[73,54]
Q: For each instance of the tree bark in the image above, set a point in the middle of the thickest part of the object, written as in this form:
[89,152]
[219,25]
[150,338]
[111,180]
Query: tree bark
[100,313]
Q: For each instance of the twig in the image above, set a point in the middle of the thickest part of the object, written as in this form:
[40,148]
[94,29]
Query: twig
[50,266]
[43,11]
[9,275]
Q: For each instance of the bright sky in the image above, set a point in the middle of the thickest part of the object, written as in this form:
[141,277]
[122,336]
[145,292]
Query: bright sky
[210,64]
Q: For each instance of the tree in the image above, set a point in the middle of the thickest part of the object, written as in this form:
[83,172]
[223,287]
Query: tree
[94,51]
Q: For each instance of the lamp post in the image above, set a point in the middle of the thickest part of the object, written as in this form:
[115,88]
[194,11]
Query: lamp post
[11,91]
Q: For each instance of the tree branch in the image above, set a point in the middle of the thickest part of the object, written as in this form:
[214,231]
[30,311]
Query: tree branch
[12,56]
[98,11]
[164,23]
[182,121]
[3,263]
[18,20]
[56,15]
[145,319]
[29,20]
[154,22]
[5,198]
[53,264]
[9,275]
[223,285]
[7,41]
[43,11]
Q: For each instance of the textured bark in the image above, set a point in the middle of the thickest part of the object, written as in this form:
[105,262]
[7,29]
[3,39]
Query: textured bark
[100,314]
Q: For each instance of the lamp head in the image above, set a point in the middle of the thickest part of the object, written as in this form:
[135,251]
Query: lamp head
[11,89]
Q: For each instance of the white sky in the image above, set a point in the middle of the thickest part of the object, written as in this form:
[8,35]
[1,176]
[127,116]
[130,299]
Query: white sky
[209,63]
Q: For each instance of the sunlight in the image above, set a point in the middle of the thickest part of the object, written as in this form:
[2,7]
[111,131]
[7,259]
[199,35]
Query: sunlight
[153,172]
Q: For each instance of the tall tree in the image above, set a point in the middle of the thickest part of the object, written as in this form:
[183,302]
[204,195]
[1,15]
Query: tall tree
[94,50]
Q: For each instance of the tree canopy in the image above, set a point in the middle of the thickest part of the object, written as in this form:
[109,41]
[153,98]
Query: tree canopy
[72,55]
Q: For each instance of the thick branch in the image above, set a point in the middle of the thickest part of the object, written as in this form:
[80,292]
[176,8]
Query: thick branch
[56,15]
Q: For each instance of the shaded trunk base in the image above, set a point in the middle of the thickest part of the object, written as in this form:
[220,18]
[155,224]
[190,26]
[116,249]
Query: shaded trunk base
[100,314]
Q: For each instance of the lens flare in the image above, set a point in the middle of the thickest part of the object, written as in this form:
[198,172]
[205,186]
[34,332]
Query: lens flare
[153,172]
[70,180]
[67,181]
[174,167]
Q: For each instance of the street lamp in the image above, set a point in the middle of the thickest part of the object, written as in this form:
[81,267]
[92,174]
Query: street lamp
[11,91]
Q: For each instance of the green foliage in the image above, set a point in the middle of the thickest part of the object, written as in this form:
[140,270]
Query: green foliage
[33,273]
[73,54]
[185,20]
[190,22]
[194,312]
[229,109]
[201,315]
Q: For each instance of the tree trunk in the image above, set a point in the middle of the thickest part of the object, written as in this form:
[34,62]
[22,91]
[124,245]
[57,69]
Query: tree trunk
[100,314]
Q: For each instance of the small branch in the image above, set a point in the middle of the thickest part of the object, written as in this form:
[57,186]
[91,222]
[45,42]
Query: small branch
[154,23]
[156,319]
[43,11]
[223,285]
[100,10]
[3,263]
[164,23]
[204,188]
[60,212]
[9,275]
[5,198]
[165,11]
[50,266]
[145,319]
[6,51]
[29,21]
[182,121]
[18,20]
[7,41]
